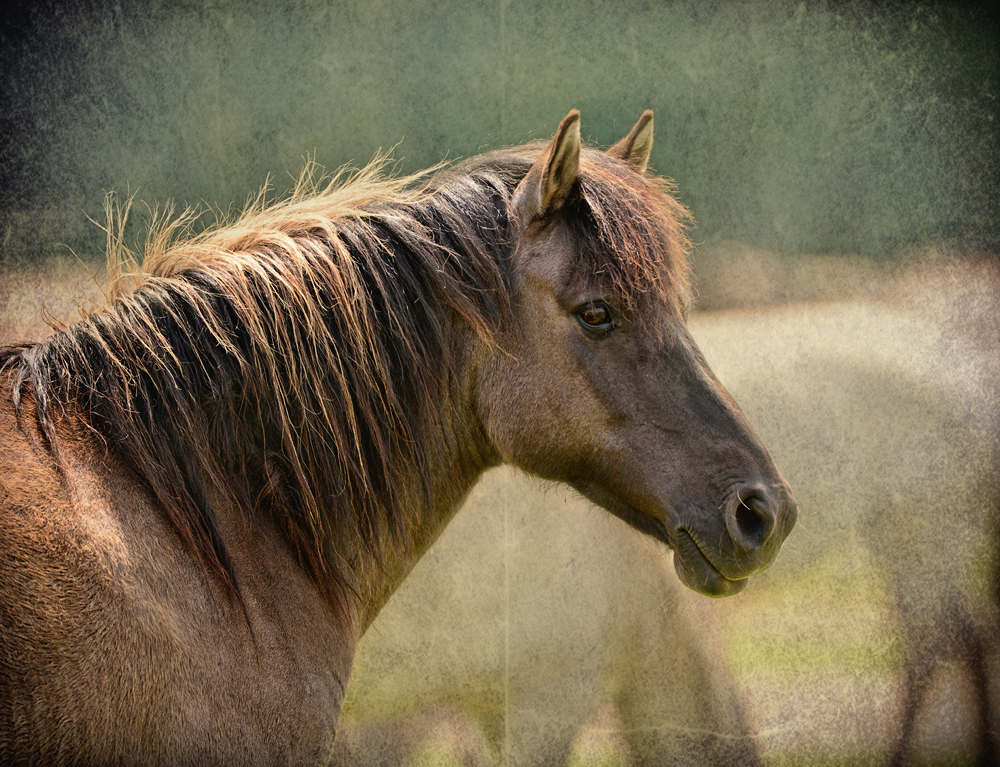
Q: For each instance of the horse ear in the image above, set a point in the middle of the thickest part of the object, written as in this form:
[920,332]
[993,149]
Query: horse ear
[637,145]
[548,182]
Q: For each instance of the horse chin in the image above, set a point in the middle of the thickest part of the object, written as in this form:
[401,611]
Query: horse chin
[642,522]
[693,567]
[697,572]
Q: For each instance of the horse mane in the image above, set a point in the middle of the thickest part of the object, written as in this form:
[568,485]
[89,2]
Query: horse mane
[297,360]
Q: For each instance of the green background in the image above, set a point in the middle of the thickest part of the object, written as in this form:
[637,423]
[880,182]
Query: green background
[794,126]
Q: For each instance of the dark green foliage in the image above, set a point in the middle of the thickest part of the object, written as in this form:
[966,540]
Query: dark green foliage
[860,127]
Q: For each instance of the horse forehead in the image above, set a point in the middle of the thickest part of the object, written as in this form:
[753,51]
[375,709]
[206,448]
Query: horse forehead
[555,258]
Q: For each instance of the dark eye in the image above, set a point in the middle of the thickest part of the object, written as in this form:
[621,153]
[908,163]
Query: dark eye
[596,317]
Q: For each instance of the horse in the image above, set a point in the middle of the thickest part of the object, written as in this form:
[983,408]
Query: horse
[212,485]
[885,418]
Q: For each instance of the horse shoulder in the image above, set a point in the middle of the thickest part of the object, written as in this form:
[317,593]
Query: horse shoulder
[115,638]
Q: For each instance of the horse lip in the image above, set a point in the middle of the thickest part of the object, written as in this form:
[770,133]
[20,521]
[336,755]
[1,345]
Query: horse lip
[697,571]
[693,566]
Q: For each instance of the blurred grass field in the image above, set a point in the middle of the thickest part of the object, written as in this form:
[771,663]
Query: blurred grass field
[819,662]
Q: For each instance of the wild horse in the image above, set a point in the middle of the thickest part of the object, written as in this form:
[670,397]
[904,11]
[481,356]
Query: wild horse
[209,488]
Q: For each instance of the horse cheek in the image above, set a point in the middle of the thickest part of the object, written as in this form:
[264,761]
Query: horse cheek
[525,416]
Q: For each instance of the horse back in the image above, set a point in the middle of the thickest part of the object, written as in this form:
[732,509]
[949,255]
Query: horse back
[118,645]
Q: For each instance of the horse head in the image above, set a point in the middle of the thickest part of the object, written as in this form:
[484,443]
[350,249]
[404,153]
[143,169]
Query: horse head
[598,382]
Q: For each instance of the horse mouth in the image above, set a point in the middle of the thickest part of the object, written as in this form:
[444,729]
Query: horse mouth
[696,570]
[693,566]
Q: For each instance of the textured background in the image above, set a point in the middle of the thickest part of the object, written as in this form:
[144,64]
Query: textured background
[854,133]
[793,126]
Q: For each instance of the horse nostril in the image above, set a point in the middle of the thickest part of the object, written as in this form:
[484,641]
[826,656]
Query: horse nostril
[754,521]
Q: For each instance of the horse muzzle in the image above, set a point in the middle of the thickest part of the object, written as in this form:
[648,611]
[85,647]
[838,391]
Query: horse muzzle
[719,563]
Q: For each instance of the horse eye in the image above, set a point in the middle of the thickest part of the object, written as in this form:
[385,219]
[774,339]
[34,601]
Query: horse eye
[596,316]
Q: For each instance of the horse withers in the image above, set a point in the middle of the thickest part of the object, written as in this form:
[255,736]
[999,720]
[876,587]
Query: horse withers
[209,488]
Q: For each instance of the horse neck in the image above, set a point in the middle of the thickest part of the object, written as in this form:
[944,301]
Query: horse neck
[459,452]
